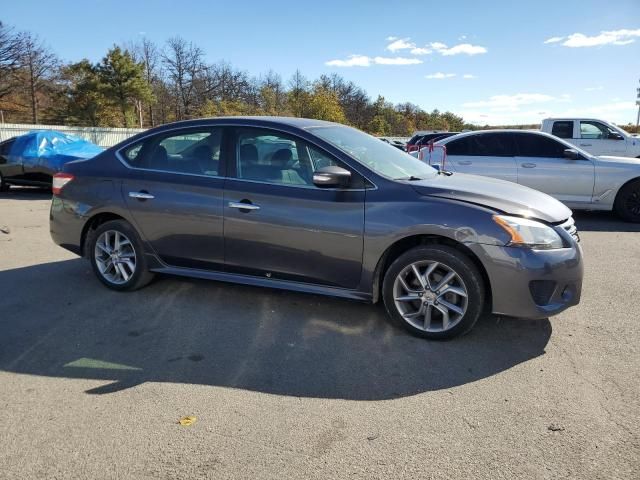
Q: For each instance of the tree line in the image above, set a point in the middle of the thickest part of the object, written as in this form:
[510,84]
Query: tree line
[143,84]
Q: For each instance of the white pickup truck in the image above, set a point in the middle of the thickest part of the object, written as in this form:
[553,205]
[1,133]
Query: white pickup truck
[595,136]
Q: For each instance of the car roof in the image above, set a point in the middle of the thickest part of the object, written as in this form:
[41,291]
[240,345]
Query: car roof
[444,141]
[255,120]
[585,119]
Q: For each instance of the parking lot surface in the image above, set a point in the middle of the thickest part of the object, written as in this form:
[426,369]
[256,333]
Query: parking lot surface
[285,385]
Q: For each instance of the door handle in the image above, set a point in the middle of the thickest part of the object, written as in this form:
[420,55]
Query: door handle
[529,165]
[244,206]
[141,195]
[465,162]
[585,144]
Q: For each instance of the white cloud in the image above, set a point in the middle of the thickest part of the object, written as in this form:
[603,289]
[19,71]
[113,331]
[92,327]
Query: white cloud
[512,102]
[463,48]
[617,112]
[469,76]
[594,89]
[364,61]
[438,45]
[352,61]
[439,76]
[396,61]
[420,51]
[605,37]
[400,44]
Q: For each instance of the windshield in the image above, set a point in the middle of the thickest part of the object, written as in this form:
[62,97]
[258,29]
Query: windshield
[376,155]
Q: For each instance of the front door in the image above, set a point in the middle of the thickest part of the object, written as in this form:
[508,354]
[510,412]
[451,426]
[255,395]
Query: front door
[598,139]
[543,166]
[174,191]
[278,224]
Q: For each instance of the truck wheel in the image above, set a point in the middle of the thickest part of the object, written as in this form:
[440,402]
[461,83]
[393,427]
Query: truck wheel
[627,204]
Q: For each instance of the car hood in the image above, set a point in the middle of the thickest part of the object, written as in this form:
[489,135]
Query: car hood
[507,197]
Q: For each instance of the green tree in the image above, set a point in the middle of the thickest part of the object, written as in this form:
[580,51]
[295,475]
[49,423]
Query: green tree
[324,105]
[123,83]
[82,99]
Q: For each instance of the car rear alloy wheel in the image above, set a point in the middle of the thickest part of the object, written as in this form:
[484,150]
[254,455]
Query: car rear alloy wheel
[430,296]
[115,257]
[434,291]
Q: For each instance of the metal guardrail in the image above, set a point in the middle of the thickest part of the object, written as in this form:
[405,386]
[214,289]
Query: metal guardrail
[103,136]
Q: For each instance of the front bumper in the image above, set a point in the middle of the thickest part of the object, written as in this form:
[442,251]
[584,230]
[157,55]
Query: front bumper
[532,283]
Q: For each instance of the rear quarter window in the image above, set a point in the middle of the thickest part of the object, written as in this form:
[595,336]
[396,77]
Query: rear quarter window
[563,129]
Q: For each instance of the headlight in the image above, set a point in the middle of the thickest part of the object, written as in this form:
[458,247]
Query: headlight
[529,233]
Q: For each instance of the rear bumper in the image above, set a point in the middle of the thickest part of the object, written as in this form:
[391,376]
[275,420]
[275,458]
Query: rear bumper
[532,283]
[66,223]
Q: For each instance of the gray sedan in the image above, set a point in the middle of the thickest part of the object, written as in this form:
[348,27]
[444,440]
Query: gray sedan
[322,208]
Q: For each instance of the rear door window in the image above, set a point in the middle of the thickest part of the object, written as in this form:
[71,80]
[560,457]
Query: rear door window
[532,145]
[563,129]
[194,151]
[461,146]
[484,145]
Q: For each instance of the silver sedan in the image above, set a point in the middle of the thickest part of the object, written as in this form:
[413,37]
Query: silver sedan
[546,163]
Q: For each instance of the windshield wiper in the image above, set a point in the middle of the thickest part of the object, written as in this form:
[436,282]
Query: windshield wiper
[412,178]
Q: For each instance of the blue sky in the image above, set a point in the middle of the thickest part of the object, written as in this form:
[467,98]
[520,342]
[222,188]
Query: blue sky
[487,61]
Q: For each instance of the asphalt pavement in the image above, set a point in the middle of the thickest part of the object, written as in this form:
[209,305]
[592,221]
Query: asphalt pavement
[93,382]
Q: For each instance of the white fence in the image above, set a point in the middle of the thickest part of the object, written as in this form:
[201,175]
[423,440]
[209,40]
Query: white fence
[103,136]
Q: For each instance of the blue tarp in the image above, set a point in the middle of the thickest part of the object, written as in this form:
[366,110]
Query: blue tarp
[51,149]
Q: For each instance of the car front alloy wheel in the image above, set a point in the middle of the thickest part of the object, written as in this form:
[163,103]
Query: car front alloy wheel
[430,296]
[434,291]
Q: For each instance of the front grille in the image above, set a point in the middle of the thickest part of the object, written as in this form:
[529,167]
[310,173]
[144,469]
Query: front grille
[570,227]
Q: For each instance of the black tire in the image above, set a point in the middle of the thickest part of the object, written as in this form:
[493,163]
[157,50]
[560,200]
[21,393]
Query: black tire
[627,204]
[141,275]
[4,186]
[455,261]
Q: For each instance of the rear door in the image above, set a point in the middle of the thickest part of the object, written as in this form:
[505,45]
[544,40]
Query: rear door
[174,191]
[487,154]
[543,166]
[278,224]
[599,139]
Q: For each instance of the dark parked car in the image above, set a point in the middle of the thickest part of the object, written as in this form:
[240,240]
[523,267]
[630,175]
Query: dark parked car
[420,140]
[33,158]
[318,207]
[395,143]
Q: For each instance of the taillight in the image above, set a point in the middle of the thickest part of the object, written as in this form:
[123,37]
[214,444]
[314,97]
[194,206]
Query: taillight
[59,181]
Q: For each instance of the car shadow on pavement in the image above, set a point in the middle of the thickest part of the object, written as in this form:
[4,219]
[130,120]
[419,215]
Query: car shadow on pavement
[26,193]
[592,221]
[58,320]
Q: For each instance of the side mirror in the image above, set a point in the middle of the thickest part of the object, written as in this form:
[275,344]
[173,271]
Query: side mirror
[615,136]
[331,177]
[571,154]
